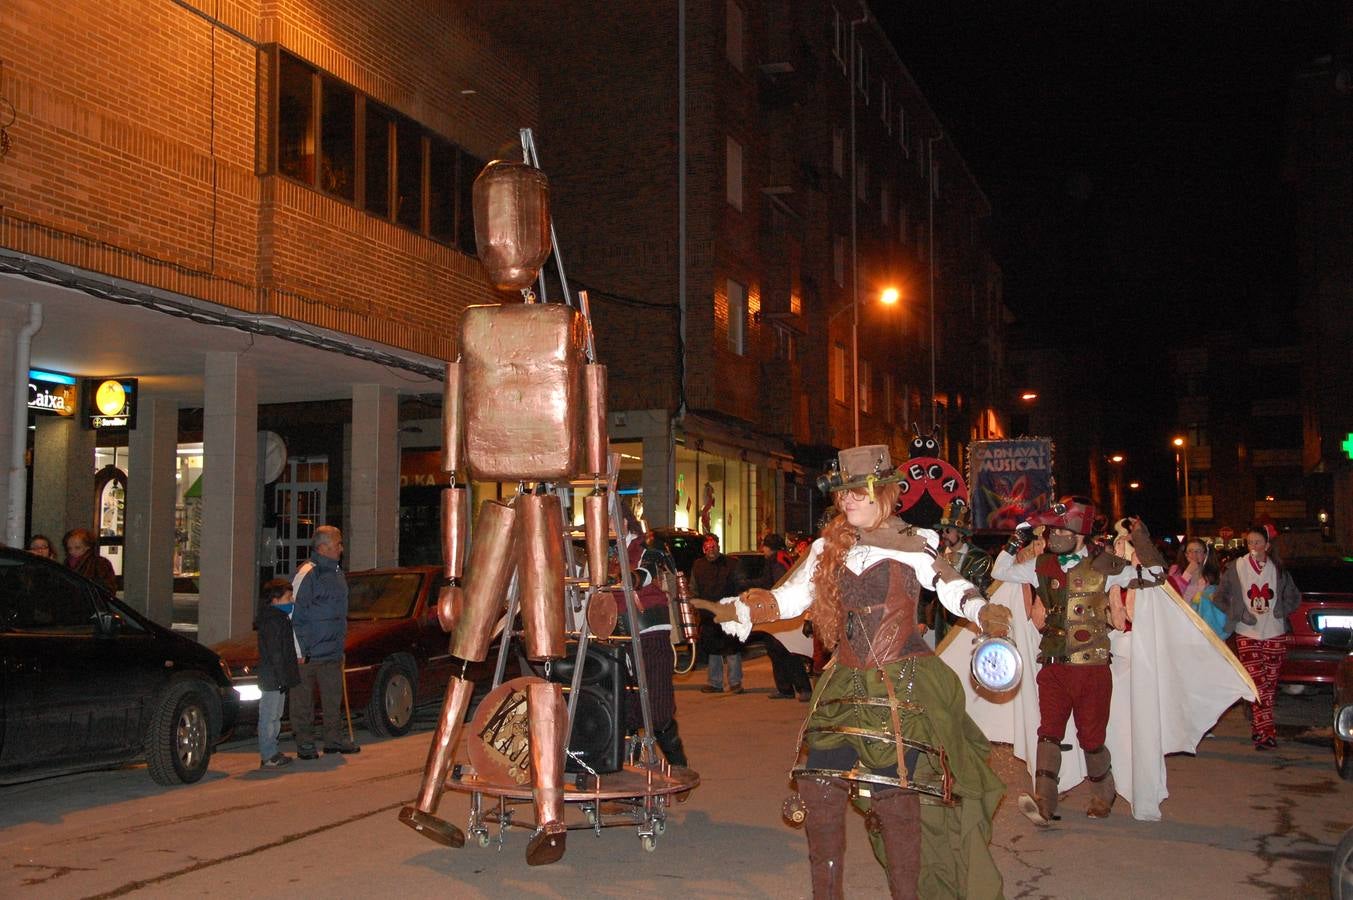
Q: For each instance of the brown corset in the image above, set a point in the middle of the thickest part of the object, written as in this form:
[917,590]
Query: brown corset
[878,609]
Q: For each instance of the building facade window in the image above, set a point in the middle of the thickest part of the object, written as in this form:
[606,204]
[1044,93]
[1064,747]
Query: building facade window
[839,38]
[334,139]
[733,166]
[902,135]
[838,373]
[733,36]
[889,399]
[884,110]
[866,387]
[862,179]
[862,73]
[737,316]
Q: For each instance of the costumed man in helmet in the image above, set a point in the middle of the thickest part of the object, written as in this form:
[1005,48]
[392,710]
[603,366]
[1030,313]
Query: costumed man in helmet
[887,721]
[971,562]
[1073,608]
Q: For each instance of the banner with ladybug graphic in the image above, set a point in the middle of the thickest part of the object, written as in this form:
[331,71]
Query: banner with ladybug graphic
[1010,480]
[928,484]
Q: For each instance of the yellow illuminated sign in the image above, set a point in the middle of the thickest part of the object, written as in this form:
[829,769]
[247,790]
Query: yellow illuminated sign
[110,398]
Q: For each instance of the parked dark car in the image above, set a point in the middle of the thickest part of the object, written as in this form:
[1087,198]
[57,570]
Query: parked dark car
[86,682]
[1341,640]
[682,544]
[1326,588]
[396,652]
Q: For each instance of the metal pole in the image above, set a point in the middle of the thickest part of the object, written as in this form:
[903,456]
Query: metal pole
[930,200]
[1188,505]
[854,259]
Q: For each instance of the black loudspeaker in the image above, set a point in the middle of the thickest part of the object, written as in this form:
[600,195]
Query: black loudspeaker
[598,737]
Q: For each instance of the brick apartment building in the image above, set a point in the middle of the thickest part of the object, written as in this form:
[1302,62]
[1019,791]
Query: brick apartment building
[256,212]
[701,164]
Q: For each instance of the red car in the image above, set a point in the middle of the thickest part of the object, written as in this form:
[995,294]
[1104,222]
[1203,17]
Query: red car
[396,652]
[1326,603]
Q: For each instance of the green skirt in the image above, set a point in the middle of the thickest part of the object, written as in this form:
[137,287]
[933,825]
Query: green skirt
[955,838]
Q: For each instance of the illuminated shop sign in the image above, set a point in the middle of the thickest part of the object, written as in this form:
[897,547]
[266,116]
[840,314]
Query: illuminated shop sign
[110,402]
[51,393]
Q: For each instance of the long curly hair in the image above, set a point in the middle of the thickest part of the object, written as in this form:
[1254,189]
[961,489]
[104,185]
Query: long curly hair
[838,536]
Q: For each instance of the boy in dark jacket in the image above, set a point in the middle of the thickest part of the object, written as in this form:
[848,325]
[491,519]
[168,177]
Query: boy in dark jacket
[277,669]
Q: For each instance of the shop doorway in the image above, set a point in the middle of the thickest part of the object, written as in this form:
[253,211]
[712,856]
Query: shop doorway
[300,501]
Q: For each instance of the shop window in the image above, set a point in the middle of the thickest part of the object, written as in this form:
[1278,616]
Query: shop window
[379,124]
[295,120]
[338,140]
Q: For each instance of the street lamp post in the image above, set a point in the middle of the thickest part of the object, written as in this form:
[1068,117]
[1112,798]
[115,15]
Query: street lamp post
[854,233]
[887,297]
[930,269]
[1182,458]
[1116,485]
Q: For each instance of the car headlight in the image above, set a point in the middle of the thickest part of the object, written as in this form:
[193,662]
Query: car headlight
[1343,722]
[249,692]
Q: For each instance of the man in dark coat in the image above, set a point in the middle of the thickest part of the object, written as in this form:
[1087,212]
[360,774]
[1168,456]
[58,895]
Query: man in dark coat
[712,579]
[320,620]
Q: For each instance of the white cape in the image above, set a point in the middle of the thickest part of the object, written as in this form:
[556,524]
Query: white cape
[1172,680]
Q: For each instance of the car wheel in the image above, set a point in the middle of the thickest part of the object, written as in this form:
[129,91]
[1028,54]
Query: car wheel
[178,741]
[1341,869]
[1343,758]
[390,712]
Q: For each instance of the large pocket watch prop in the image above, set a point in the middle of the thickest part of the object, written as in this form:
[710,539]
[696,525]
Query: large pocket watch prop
[996,664]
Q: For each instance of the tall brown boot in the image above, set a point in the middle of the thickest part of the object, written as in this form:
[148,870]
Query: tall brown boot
[1099,772]
[1041,808]
[899,817]
[825,825]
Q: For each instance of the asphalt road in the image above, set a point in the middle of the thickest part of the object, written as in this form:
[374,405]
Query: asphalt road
[1238,824]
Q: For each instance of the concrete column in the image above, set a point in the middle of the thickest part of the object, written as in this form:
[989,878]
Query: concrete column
[148,567]
[18,324]
[63,477]
[372,539]
[229,506]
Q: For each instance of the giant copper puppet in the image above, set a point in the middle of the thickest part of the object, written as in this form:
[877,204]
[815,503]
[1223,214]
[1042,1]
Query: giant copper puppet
[523,404]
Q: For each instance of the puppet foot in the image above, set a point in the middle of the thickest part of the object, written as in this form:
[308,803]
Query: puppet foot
[431,827]
[546,845]
[1036,811]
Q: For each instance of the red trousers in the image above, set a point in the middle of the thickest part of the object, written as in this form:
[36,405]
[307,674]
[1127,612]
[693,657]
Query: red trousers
[1084,690]
[1262,659]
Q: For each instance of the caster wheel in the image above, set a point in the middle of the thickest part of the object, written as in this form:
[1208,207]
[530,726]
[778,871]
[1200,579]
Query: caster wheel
[660,826]
[650,842]
[484,839]
[591,815]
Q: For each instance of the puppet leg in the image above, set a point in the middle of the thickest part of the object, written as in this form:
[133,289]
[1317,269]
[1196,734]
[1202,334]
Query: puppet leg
[420,817]
[547,719]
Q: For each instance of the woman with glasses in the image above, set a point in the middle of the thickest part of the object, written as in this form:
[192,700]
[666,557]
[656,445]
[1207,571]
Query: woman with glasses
[1195,575]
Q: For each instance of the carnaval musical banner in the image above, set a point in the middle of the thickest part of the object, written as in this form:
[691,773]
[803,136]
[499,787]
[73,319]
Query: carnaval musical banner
[1009,480]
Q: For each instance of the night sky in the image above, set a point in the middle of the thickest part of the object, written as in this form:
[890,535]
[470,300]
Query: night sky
[1131,151]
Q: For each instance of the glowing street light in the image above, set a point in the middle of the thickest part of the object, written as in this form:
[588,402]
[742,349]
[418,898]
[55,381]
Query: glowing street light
[890,296]
[1029,396]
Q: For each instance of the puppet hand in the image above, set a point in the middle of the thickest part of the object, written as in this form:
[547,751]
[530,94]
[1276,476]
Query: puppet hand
[994,619]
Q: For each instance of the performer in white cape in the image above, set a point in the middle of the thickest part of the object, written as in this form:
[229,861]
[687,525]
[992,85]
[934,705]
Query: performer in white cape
[1172,678]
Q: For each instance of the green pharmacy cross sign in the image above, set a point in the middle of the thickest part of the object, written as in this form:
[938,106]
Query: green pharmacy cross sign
[1347,446]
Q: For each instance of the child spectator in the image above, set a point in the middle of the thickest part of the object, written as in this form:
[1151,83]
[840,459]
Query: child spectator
[277,669]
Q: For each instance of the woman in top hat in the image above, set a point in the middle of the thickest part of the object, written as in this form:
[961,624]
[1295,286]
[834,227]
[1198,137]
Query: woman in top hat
[887,721]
